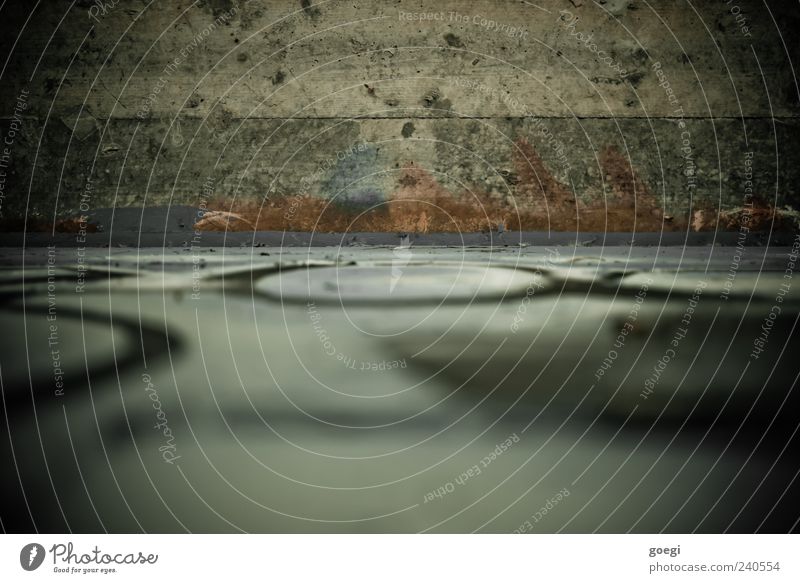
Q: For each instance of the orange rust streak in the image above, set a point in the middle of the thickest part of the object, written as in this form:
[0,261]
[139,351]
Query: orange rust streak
[537,201]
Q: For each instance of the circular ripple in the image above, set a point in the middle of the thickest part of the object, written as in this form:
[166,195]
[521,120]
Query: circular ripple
[393,284]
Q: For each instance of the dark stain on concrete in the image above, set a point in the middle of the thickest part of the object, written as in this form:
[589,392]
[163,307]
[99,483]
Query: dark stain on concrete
[606,80]
[509,177]
[407,180]
[311,11]
[635,78]
[453,41]
[217,7]
[640,55]
[433,100]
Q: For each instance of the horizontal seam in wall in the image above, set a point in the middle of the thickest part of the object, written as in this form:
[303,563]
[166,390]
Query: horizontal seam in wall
[465,118]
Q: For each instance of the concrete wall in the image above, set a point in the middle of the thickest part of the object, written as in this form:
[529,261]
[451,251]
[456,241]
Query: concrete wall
[509,107]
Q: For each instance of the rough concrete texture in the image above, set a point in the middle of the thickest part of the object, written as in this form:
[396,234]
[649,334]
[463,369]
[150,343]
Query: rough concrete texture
[483,114]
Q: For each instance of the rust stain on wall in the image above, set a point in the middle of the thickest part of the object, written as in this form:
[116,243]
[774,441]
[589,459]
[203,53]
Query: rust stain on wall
[538,201]
[545,202]
[630,205]
[761,216]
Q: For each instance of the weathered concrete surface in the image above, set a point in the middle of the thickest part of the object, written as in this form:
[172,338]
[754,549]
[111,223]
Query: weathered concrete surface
[363,162]
[128,105]
[277,59]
